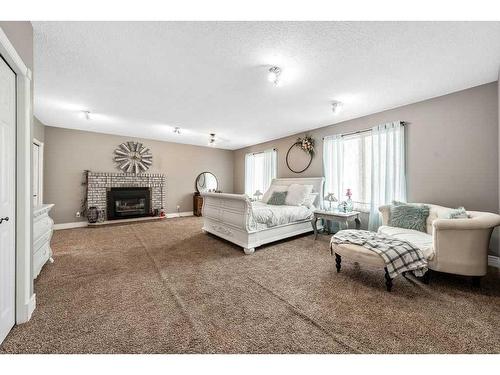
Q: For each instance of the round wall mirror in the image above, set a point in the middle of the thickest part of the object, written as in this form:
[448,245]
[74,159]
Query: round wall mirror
[206,181]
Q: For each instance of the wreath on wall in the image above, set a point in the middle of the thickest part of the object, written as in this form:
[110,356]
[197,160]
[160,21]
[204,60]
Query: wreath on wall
[306,144]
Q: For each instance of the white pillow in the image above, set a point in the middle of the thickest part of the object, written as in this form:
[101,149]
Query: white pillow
[309,201]
[271,190]
[297,194]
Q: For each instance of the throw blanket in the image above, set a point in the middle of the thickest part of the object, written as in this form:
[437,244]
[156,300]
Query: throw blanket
[399,256]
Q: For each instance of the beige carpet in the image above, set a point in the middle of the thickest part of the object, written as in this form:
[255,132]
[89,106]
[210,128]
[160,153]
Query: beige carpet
[166,287]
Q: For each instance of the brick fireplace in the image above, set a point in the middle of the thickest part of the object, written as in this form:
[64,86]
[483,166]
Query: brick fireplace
[100,184]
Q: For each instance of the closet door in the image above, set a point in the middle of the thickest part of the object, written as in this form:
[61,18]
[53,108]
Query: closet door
[7,197]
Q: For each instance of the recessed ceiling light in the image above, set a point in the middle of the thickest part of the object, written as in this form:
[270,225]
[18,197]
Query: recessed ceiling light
[274,75]
[177,130]
[337,106]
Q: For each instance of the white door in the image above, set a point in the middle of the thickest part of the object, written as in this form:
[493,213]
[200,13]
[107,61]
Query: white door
[7,197]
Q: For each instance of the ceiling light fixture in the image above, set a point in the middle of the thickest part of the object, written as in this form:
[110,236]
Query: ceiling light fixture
[86,115]
[177,130]
[274,75]
[211,140]
[337,106]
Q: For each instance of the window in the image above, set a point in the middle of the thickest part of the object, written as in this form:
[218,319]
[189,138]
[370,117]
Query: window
[260,169]
[370,163]
[357,169]
[347,161]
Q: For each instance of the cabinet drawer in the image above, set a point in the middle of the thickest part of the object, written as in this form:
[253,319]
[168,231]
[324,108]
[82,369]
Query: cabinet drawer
[40,257]
[41,226]
[44,239]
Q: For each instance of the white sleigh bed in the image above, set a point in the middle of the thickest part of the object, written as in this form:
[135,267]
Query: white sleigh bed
[231,216]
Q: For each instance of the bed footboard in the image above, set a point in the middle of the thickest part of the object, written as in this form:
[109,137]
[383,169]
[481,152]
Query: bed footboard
[229,216]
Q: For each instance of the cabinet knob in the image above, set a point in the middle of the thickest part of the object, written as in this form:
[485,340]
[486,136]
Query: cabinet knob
[2,219]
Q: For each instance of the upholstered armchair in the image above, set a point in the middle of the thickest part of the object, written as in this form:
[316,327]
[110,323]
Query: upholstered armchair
[459,246]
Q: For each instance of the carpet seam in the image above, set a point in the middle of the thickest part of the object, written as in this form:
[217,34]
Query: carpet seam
[305,317]
[178,300]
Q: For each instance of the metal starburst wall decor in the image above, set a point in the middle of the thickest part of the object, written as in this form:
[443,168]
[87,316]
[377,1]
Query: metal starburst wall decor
[133,157]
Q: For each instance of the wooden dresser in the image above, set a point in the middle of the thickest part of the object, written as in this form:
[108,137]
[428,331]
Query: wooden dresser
[42,233]
[197,204]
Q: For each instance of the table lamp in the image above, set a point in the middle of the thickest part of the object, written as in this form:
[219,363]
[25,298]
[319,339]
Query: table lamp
[257,194]
[330,197]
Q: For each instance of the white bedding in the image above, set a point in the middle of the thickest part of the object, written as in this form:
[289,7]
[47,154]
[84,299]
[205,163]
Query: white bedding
[268,216]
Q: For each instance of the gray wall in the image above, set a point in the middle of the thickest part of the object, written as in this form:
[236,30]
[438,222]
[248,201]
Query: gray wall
[20,34]
[452,148]
[38,129]
[69,152]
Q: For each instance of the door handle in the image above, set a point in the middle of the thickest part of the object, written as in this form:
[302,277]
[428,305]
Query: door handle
[2,219]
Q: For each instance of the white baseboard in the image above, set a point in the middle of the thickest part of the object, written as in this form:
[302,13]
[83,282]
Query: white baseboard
[82,224]
[23,314]
[493,261]
[77,224]
[179,214]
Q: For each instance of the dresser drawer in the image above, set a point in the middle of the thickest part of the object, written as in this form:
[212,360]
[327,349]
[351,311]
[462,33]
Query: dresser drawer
[41,226]
[42,240]
[40,257]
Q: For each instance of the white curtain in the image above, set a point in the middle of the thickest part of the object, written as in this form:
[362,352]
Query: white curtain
[388,180]
[333,167]
[260,169]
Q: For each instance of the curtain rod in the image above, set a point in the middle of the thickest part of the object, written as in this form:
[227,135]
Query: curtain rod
[404,123]
[261,152]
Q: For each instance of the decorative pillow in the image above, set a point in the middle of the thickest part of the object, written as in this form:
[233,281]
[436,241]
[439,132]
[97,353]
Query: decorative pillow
[278,198]
[297,194]
[272,189]
[309,201]
[458,213]
[409,216]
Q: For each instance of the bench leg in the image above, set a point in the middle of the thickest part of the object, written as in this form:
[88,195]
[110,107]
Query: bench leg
[388,280]
[426,279]
[338,260]
[476,281]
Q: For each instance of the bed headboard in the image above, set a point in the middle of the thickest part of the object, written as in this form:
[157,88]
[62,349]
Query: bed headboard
[316,182]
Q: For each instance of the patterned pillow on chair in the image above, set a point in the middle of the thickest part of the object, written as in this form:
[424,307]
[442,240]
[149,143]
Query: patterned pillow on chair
[409,216]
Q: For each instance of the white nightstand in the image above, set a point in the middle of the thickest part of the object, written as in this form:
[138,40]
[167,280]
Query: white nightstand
[342,218]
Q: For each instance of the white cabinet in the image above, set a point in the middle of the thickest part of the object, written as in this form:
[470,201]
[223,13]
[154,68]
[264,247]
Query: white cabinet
[42,233]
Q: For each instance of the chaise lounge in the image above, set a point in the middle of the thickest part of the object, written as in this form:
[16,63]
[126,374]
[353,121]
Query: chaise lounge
[456,246]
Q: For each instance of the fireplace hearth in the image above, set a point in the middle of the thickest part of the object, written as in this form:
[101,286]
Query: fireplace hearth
[128,202]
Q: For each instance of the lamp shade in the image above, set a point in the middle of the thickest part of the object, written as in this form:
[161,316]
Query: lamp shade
[330,197]
[257,193]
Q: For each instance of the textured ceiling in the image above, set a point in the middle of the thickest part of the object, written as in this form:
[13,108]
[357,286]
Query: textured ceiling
[144,78]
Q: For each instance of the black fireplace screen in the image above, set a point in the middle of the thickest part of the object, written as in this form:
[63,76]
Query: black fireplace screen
[128,202]
[131,205]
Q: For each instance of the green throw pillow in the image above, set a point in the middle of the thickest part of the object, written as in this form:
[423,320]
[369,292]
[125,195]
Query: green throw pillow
[409,216]
[278,198]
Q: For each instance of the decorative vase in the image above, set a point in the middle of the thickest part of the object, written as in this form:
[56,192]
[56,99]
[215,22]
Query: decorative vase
[92,215]
[101,216]
[348,205]
[342,206]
